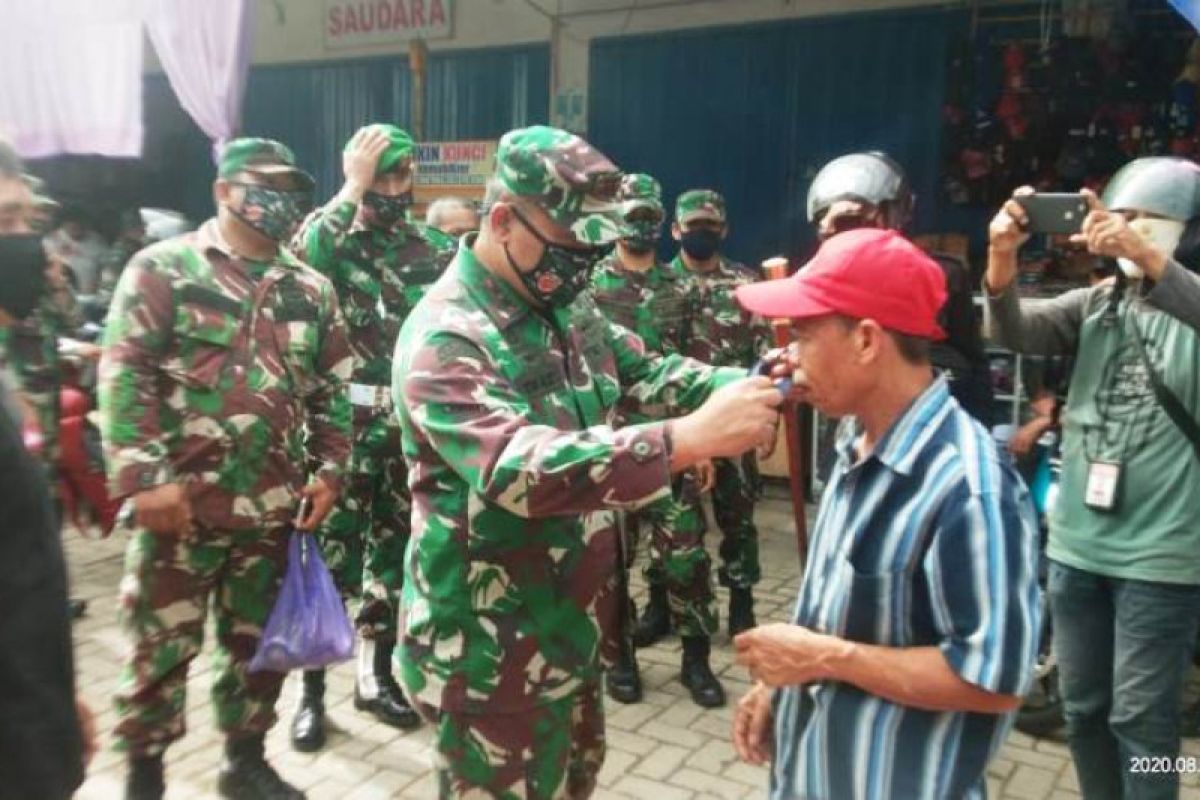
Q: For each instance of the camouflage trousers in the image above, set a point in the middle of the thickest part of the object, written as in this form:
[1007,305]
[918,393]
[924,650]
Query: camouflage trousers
[364,537]
[165,594]
[733,496]
[678,557]
[734,493]
[551,752]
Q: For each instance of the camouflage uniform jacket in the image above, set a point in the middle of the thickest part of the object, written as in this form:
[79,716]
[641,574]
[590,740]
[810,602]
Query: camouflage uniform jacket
[31,351]
[517,476]
[656,305]
[722,333]
[224,374]
[379,277]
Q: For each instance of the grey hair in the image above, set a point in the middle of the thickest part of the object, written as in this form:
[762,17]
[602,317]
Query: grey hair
[438,208]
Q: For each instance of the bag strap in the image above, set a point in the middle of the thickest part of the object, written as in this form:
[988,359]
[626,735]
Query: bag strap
[1166,398]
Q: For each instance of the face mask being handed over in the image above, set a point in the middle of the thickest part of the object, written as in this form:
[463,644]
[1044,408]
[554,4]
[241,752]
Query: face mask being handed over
[560,274]
[22,273]
[273,213]
[700,243]
[1161,234]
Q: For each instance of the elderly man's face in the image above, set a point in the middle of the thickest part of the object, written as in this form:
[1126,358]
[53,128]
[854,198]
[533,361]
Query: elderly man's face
[457,220]
[828,364]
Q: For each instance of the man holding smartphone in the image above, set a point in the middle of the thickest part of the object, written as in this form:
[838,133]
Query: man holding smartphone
[1124,583]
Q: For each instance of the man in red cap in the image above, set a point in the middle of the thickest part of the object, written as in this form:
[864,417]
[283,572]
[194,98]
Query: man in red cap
[916,626]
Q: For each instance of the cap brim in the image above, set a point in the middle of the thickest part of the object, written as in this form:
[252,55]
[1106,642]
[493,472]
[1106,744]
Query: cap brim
[307,182]
[786,298]
[695,215]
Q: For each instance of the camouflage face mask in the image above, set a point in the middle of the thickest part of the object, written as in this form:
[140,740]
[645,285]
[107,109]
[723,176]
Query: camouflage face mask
[561,273]
[385,210]
[641,235]
[273,213]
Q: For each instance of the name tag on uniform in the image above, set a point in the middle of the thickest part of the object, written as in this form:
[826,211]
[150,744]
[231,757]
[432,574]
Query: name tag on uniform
[1103,483]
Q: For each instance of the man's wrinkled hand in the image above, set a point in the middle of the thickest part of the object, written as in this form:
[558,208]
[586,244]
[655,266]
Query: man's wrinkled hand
[706,475]
[752,734]
[781,654]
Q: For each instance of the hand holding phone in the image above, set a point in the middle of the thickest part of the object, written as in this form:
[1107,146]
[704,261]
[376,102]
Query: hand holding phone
[1055,213]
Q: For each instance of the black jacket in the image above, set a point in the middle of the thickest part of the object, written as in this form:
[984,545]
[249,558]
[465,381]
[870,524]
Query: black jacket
[41,752]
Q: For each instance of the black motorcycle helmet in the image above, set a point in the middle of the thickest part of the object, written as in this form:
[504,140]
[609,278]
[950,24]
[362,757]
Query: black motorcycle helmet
[872,178]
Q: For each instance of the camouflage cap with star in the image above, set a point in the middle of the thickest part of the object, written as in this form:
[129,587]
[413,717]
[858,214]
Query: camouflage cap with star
[573,182]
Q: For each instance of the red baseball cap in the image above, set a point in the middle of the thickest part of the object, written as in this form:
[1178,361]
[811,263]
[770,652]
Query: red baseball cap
[866,274]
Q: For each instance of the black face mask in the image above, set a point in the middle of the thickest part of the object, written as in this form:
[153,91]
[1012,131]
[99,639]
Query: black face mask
[22,273]
[385,210]
[561,273]
[701,243]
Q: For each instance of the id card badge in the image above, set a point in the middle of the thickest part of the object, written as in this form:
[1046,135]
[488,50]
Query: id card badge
[1103,482]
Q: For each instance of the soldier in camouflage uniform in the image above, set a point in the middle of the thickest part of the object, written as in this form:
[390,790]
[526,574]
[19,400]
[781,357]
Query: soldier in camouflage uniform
[721,334]
[222,382]
[380,264]
[31,351]
[634,290]
[508,382]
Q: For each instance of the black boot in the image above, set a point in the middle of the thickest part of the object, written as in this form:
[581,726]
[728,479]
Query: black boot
[382,696]
[741,611]
[655,622]
[624,679]
[697,676]
[145,781]
[246,775]
[308,725]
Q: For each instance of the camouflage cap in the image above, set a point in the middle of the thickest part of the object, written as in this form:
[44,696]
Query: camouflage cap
[639,190]
[700,204]
[265,156]
[572,181]
[400,147]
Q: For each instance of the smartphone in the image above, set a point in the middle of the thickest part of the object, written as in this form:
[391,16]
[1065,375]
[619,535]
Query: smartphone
[1054,213]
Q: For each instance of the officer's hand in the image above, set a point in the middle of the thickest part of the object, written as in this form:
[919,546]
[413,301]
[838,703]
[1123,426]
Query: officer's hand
[164,510]
[737,418]
[752,735]
[706,475]
[1006,233]
[361,159]
[321,497]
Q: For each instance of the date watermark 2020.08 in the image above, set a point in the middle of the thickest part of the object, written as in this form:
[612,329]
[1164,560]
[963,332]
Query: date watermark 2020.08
[1160,765]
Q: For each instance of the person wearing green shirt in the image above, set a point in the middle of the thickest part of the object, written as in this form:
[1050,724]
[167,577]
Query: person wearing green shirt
[1124,546]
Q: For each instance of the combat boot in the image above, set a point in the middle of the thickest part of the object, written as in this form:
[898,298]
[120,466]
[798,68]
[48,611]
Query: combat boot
[308,725]
[144,780]
[696,674]
[377,692]
[246,775]
[624,678]
[741,611]
[655,622]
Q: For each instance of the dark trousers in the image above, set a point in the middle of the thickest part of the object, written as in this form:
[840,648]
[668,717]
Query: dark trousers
[1125,649]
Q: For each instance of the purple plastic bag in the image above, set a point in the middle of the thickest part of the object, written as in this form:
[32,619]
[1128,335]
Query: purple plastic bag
[308,627]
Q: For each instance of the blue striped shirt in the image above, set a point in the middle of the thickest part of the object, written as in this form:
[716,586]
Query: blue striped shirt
[929,541]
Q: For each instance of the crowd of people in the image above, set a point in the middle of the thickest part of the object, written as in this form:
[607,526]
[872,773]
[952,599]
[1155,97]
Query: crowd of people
[478,414]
